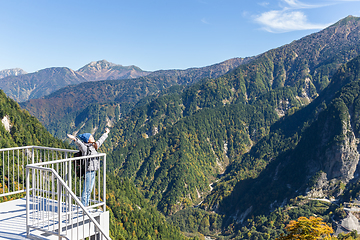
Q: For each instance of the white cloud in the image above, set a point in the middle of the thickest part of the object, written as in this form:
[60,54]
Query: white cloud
[296,4]
[285,21]
[289,18]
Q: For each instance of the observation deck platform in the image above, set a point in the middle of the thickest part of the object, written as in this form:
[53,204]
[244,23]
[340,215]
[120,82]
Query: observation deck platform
[13,222]
[52,208]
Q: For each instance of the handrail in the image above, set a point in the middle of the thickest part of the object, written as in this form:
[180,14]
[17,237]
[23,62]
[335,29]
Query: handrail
[13,162]
[68,190]
[68,159]
[38,147]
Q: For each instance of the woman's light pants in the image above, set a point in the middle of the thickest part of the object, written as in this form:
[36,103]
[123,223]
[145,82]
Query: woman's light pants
[88,186]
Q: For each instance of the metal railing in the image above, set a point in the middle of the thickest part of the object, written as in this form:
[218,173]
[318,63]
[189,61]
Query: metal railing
[13,162]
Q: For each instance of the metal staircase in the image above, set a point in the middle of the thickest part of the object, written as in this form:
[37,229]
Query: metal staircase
[53,191]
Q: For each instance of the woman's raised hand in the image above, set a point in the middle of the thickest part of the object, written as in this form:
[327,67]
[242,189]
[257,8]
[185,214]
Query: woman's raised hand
[107,130]
[71,137]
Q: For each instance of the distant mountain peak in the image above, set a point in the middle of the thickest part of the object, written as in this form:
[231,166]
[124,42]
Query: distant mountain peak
[102,70]
[350,17]
[102,64]
[11,72]
[105,65]
[346,20]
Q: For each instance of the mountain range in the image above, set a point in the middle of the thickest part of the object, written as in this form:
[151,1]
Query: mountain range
[22,86]
[67,110]
[25,86]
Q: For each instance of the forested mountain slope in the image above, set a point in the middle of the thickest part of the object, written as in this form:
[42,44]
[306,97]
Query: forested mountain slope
[319,137]
[131,215]
[19,128]
[176,166]
[312,153]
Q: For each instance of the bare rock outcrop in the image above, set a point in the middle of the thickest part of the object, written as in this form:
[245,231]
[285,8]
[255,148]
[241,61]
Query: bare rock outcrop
[339,163]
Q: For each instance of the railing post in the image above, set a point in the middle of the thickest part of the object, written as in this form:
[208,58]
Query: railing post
[27,202]
[59,207]
[32,155]
[66,174]
[69,184]
[104,187]
[32,162]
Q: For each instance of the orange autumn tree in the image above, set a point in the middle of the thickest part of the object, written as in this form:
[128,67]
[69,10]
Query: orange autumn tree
[307,229]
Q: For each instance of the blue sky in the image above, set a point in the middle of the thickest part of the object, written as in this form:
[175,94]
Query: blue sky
[155,34]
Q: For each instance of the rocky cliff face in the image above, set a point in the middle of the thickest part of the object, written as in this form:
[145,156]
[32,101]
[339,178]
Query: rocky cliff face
[339,163]
[342,160]
[338,151]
